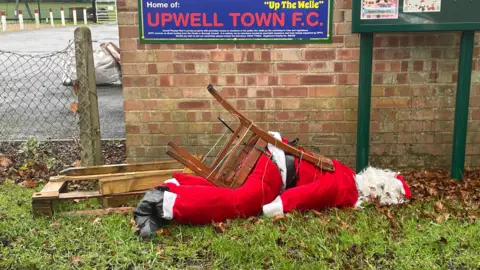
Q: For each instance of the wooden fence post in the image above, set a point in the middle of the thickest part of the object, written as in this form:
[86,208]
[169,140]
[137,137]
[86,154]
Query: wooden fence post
[90,139]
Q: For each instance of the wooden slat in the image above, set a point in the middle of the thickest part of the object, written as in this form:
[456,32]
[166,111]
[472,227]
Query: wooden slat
[63,178]
[319,160]
[122,184]
[249,164]
[92,194]
[196,169]
[227,146]
[50,191]
[123,168]
[101,212]
[189,157]
[221,173]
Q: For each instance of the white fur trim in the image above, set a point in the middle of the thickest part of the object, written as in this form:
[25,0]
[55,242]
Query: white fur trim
[173,181]
[168,202]
[379,183]
[279,156]
[273,208]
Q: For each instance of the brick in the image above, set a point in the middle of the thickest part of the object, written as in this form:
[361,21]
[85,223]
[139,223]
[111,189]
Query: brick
[227,80]
[348,54]
[219,56]
[127,19]
[316,79]
[390,102]
[290,92]
[165,92]
[324,91]
[128,31]
[163,56]
[289,55]
[200,46]
[253,68]
[292,79]
[443,114]
[347,79]
[128,44]
[291,67]
[190,56]
[191,80]
[165,80]
[319,55]
[132,129]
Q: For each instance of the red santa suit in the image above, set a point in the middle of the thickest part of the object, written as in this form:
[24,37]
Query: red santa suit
[194,200]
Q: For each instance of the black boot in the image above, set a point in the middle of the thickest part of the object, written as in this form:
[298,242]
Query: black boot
[148,214]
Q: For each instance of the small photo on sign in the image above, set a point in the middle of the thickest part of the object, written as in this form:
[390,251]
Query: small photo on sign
[422,5]
[379,9]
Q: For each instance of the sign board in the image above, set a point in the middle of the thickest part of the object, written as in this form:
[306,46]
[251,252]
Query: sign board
[369,16]
[235,21]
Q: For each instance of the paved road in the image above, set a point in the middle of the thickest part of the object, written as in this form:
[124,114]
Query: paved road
[33,100]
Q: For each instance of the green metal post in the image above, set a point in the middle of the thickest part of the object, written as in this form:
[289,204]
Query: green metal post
[364,100]
[462,104]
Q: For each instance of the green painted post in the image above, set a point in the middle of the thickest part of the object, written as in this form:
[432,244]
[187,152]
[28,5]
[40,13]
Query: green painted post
[364,100]
[462,104]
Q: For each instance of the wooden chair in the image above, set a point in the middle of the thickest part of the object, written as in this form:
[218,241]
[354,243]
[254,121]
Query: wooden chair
[231,167]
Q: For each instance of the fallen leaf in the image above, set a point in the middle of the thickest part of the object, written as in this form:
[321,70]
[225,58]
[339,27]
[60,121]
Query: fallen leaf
[55,225]
[160,250]
[472,218]
[74,107]
[443,240]
[235,237]
[77,163]
[132,222]
[439,206]
[97,220]
[76,259]
[278,218]
[30,184]
[219,227]
[5,161]
[75,87]
[283,228]
[317,213]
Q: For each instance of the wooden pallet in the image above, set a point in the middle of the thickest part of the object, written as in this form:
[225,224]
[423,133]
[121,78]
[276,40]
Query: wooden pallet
[117,184]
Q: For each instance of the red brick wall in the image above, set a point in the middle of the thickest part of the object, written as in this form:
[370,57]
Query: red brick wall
[306,91]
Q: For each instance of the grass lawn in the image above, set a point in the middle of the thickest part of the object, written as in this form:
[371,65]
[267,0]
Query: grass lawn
[419,235]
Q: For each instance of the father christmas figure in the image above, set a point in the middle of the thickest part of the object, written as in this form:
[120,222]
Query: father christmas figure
[279,183]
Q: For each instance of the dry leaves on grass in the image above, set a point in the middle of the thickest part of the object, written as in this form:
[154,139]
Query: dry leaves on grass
[76,260]
[221,227]
[5,162]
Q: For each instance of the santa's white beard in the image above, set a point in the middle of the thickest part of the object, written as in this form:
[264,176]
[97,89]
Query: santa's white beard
[374,183]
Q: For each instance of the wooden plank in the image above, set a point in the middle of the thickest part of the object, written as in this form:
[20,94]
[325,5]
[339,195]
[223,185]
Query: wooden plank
[122,184]
[92,194]
[119,201]
[62,178]
[123,168]
[319,160]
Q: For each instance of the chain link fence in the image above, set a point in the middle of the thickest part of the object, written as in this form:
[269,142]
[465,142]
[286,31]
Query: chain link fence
[36,98]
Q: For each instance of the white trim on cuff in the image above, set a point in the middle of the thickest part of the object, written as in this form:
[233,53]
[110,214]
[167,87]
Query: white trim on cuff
[173,181]
[273,208]
[168,202]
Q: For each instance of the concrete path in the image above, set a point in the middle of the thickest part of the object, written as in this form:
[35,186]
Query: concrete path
[33,101]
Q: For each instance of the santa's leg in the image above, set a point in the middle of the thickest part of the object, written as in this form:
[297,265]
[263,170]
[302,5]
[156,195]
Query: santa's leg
[204,204]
